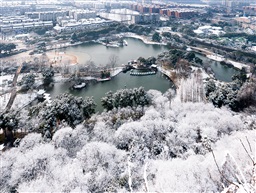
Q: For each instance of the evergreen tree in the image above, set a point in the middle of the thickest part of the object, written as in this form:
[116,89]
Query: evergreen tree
[8,122]
[65,107]
[27,81]
[48,75]
[108,101]
[156,37]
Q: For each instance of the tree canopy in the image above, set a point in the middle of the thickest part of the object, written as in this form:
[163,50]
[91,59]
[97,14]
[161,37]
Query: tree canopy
[7,48]
[48,74]
[65,107]
[125,98]
[27,81]
[171,143]
[156,37]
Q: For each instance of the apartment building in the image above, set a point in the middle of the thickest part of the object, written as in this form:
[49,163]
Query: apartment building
[84,14]
[47,16]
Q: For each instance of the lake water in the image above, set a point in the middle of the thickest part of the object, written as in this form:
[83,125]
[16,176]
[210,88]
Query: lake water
[121,81]
[222,72]
[100,54]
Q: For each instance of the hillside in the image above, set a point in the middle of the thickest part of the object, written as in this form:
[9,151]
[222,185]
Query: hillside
[172,147]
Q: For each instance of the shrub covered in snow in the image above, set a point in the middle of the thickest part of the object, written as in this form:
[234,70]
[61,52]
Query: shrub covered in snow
[169,147]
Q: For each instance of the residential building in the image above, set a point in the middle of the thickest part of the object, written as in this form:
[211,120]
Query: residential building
[84,14]
[83,24]
[20,24]
[46,16]
[250,10]
[179,13]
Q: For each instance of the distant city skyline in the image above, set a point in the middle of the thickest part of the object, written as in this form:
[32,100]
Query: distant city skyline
[216,2]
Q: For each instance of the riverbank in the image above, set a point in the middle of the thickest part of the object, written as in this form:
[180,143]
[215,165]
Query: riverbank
[220,58]
[217,57]
[232,65]
[57,57]
[142,38]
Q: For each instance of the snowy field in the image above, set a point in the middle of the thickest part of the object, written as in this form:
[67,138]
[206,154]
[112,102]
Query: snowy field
[22,100]
[4,100]
[4,82]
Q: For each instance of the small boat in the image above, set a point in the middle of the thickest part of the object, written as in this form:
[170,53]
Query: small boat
[125,43]
[79,86]
[113,45]
[103,79]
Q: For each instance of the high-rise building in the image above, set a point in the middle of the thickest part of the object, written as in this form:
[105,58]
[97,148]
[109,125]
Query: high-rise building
[229,3]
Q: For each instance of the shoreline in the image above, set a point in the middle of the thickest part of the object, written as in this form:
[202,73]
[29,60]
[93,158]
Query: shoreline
[140,37]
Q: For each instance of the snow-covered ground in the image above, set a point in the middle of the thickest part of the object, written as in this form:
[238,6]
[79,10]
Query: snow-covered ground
[215,57]
[166,72]
[4,100]
[4,83]
[1,147]
[116,71]
[204,74]
[144,39]
[220,58]
[237,64]
[59,78]
[22,100]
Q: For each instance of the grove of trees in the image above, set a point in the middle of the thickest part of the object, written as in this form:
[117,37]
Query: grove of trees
[65,108]
[238,94]
[125,98]
[170,147]
[27,82]
[7,48]
[48,75]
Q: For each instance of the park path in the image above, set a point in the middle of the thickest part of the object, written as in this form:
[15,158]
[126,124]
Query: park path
[14,90]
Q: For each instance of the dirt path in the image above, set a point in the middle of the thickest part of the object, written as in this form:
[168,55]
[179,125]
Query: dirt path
[60,58]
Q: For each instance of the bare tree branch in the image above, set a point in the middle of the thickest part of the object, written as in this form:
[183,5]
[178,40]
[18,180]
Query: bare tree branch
[249,144]
[221,172]
[247,152]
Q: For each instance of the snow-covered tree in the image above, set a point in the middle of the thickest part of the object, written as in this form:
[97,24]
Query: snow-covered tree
[140,97]
[210,87]
[27,81]
[247,93]
[65,107]
[104,163]
[48,74]
[166,147]
[108,101]
[8,123]
[125,98]
[191,89]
